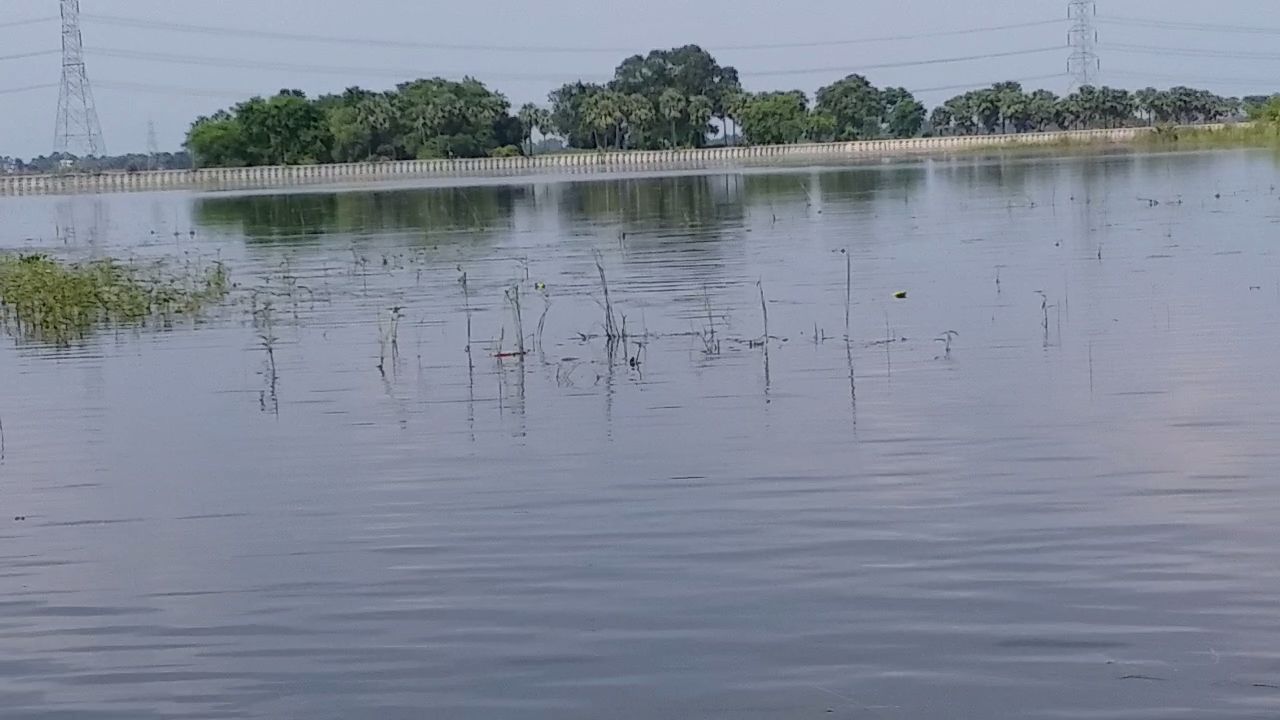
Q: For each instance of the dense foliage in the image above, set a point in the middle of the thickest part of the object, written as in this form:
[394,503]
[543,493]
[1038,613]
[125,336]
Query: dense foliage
[665,99]
[422,119]
[1006,107]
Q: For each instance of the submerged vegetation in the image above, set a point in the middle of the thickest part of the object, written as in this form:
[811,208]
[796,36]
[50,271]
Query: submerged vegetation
[49,300]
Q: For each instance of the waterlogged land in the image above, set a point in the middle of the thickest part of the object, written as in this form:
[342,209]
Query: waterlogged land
[1038,485]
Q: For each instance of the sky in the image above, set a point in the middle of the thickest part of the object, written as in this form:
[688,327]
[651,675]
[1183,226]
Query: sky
[137,77]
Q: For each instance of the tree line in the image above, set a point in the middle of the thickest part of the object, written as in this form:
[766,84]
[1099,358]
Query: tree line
[130,162]
[664,99]
[1006,107]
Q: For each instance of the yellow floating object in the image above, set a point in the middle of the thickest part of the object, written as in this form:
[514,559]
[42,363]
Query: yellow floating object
[901,295]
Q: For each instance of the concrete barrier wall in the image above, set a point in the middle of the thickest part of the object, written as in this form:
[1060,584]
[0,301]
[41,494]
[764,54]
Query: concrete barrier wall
[300,175]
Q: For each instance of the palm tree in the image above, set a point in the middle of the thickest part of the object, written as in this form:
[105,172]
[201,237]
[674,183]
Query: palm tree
[700,111]
[528,119]
[618,104]
[542,122]
[734,102]
[601,113]
[671,104]
[1040,107]
[640,117]
[1013,105]
[1145,101]
[533,118]
[962,113]
[986,104]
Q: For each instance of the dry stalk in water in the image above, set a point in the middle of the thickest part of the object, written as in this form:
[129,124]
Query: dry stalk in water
[513,297]
[611,332]
[764,311]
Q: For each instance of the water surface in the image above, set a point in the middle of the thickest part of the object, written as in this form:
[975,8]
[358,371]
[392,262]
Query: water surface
[1071,515]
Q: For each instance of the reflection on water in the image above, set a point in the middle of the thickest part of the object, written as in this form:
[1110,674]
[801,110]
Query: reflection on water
[1037,485]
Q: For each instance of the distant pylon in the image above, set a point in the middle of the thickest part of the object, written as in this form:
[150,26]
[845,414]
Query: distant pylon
[77,130]
[153,146]
[1084,63]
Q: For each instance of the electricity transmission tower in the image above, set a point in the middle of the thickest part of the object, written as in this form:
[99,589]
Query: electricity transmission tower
[1084,63]
[153,146]
[77,130]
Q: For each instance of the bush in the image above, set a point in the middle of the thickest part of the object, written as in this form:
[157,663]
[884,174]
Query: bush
[505,151]
[1268,113]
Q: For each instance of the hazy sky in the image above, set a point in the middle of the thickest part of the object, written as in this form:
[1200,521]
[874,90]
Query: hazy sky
[131,90]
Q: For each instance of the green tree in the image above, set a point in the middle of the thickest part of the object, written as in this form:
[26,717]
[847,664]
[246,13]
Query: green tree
[904,115]
[640,119]
[986,105]
[774,118]
[351,138]
[963,113]
[422,118]
[1266,111]
[568,116]
[734,101]
[700,109]
[1015,106]
[528,121]
[542,122]
[941,120]
[821,127]
[376,116]
[603,113]
[1145,102]
[689,71]
[1040,109]
[286,129]
[856,106]
[217,141]
[671,105]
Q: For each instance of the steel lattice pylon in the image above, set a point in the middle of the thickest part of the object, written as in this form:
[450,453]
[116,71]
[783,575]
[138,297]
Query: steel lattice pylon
[77,131]
[1084,63]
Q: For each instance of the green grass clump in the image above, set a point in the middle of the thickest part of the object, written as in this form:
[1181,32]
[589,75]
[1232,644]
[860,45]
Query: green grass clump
[1256,134]
[48,300]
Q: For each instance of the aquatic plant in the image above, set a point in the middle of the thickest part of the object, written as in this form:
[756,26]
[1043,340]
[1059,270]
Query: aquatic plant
[49,300]
[612,332]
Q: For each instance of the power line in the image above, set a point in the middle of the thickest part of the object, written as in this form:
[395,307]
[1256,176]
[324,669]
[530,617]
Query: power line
[177,90]
[28,21]
[1190,52]
[1182,79]
[207,61]
[142,23]
[241,94]
[969,86]
[34,53]
[27,88]
[405,73]
[336,39]
[1176,25]
[910,63]
[889,38]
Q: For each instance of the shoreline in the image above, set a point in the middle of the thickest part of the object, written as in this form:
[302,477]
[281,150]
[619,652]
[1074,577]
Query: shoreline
[349,174]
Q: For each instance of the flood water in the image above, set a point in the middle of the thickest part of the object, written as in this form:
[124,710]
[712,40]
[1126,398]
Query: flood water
[1073,514]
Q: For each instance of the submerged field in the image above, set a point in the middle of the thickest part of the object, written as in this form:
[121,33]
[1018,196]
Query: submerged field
[953,438]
